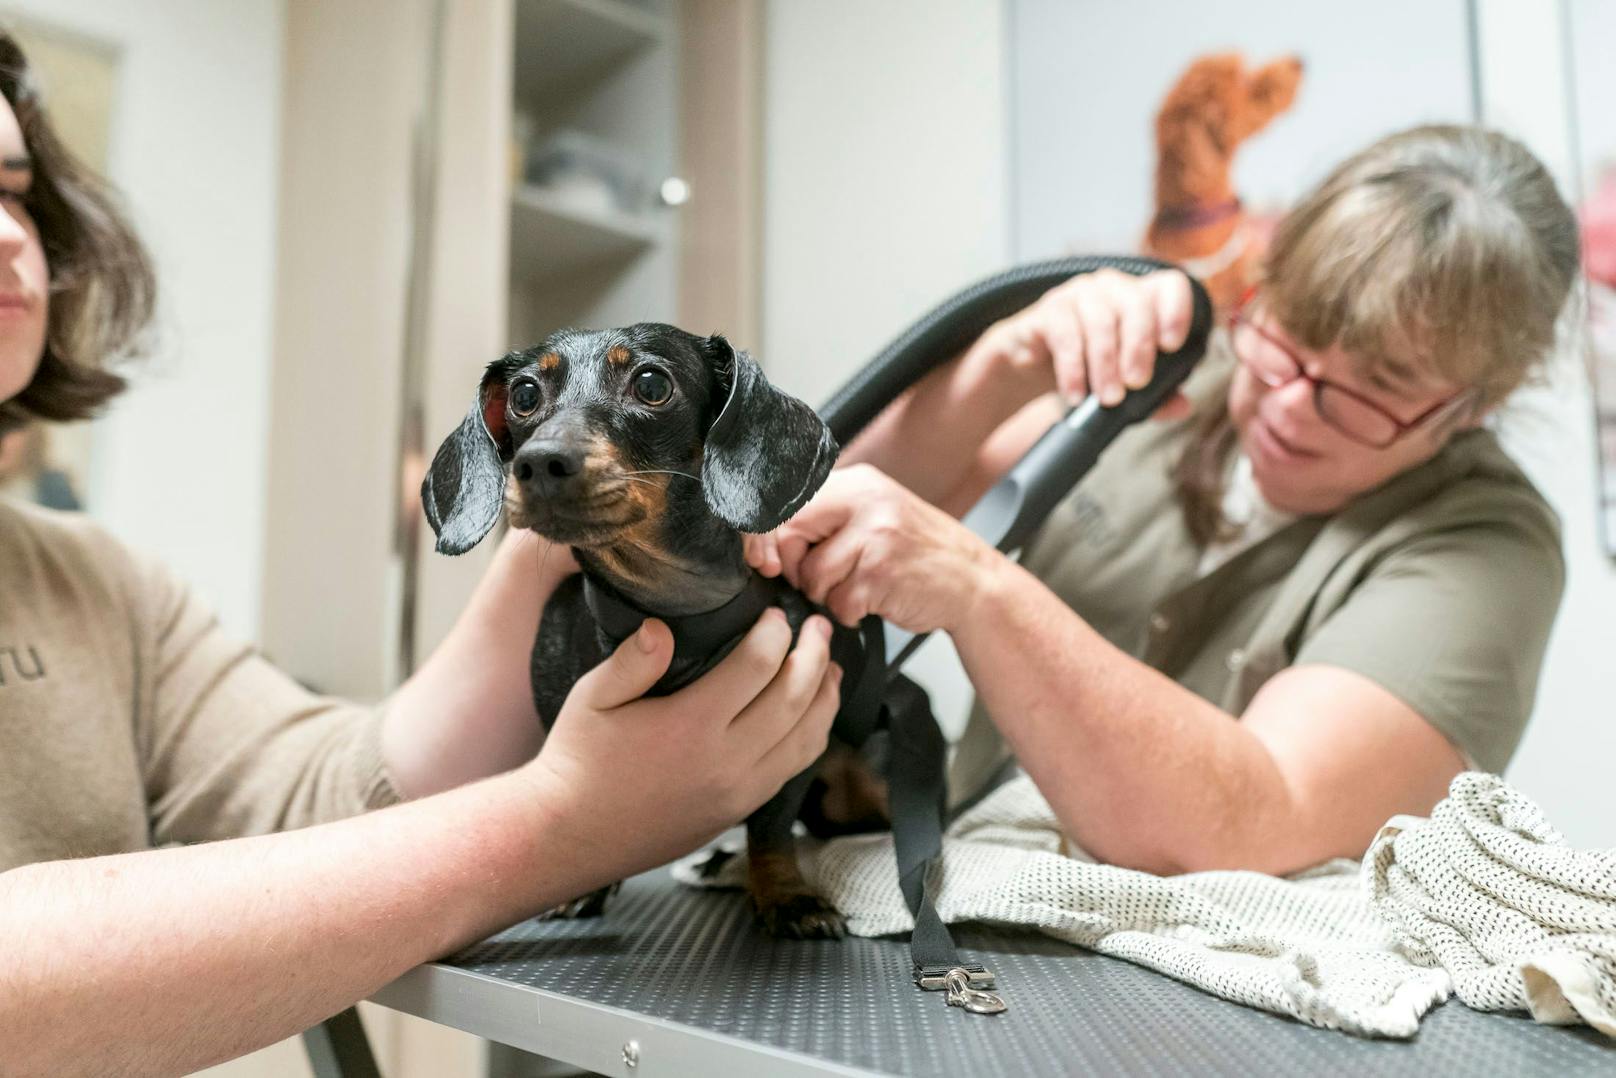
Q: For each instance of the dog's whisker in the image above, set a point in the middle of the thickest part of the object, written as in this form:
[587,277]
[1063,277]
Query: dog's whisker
[545,560]
[665,471]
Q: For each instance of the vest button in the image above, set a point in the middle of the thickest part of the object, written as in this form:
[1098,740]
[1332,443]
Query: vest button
[1159,623]
[1236,659]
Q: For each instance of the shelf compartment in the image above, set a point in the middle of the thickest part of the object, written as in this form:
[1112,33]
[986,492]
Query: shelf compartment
[564,44]
[550,239]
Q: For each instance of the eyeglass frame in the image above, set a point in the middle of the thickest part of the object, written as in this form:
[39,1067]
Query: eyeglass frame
[1400,429]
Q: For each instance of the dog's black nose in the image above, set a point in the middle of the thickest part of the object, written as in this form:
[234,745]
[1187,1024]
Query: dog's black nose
[548,468]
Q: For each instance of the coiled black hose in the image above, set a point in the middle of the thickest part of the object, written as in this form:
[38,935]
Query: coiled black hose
[952,325]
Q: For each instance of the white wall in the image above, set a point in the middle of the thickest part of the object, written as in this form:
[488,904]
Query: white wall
[179,463]
[884,173]
[884,191]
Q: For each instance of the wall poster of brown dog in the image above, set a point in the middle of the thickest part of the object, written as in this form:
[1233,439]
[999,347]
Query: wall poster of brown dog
[1200,223]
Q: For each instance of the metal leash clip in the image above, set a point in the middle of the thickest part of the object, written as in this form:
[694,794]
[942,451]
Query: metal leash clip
[964,986]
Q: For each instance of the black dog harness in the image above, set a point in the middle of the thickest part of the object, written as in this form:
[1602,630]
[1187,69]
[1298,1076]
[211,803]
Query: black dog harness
[916,778]
[706,636]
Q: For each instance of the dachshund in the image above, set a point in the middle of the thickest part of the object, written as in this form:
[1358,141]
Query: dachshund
[649,450]
[1199,223]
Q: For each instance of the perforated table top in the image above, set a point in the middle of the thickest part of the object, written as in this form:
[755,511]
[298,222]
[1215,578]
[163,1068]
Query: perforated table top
[680,982]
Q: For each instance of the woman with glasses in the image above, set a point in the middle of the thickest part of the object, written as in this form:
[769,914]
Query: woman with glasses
[1304,602]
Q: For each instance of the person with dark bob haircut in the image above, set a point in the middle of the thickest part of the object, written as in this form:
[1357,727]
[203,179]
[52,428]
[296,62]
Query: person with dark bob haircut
[198,857]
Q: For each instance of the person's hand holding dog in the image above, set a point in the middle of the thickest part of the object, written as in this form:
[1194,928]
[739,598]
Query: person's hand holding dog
[1099,332]
[865,544]
[640,780]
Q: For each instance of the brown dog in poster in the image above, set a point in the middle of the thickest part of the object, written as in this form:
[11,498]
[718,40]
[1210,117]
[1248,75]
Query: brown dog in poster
[1200,223]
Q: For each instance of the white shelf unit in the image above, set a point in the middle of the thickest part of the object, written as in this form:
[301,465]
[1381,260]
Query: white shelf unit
[606,69]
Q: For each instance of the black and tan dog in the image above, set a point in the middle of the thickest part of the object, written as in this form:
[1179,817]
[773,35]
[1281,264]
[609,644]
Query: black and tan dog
[648,450]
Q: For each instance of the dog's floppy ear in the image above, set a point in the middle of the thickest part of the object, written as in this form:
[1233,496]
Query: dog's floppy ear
[767,452]
[465,488]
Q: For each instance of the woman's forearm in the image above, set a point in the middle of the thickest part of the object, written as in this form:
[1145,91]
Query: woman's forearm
[263,937]
[1140,771]
[468,711]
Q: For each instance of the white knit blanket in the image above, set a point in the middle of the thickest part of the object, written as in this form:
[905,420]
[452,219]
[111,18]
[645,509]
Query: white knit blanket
[1483,899]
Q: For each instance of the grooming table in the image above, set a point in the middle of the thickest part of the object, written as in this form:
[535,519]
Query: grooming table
[674,981]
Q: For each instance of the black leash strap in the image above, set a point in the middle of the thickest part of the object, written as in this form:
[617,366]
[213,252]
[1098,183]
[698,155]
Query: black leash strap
[917,793]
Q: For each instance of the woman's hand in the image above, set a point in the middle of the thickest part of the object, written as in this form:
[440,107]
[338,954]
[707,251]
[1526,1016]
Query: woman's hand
[1099,333]
[651,778]
[866,545]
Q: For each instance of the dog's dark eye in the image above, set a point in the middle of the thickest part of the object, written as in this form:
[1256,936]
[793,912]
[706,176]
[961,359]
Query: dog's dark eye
[652,386]
[524,397]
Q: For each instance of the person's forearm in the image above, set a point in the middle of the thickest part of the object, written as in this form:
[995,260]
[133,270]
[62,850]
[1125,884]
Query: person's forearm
[1140,771]
[468,711]
[929,438]
[264,937]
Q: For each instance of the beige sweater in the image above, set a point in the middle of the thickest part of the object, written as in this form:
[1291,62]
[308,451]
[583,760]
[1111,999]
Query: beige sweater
[129,719]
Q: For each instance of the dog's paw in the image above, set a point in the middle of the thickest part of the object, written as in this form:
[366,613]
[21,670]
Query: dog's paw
[591,905]
[801,917]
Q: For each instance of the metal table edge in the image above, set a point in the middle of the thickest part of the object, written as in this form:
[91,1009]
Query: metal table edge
[585,1034]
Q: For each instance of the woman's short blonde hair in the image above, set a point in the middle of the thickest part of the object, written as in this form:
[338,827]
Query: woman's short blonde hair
[1444,247]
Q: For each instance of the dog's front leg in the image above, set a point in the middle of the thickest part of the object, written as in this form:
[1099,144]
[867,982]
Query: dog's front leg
[784,902]
[591,905]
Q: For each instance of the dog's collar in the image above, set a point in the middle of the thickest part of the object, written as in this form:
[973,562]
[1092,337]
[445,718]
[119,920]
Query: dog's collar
[1215,263]
[1173,218]
[693,634]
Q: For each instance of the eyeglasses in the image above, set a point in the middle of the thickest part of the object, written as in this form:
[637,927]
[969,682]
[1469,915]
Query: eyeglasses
[1274,364]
